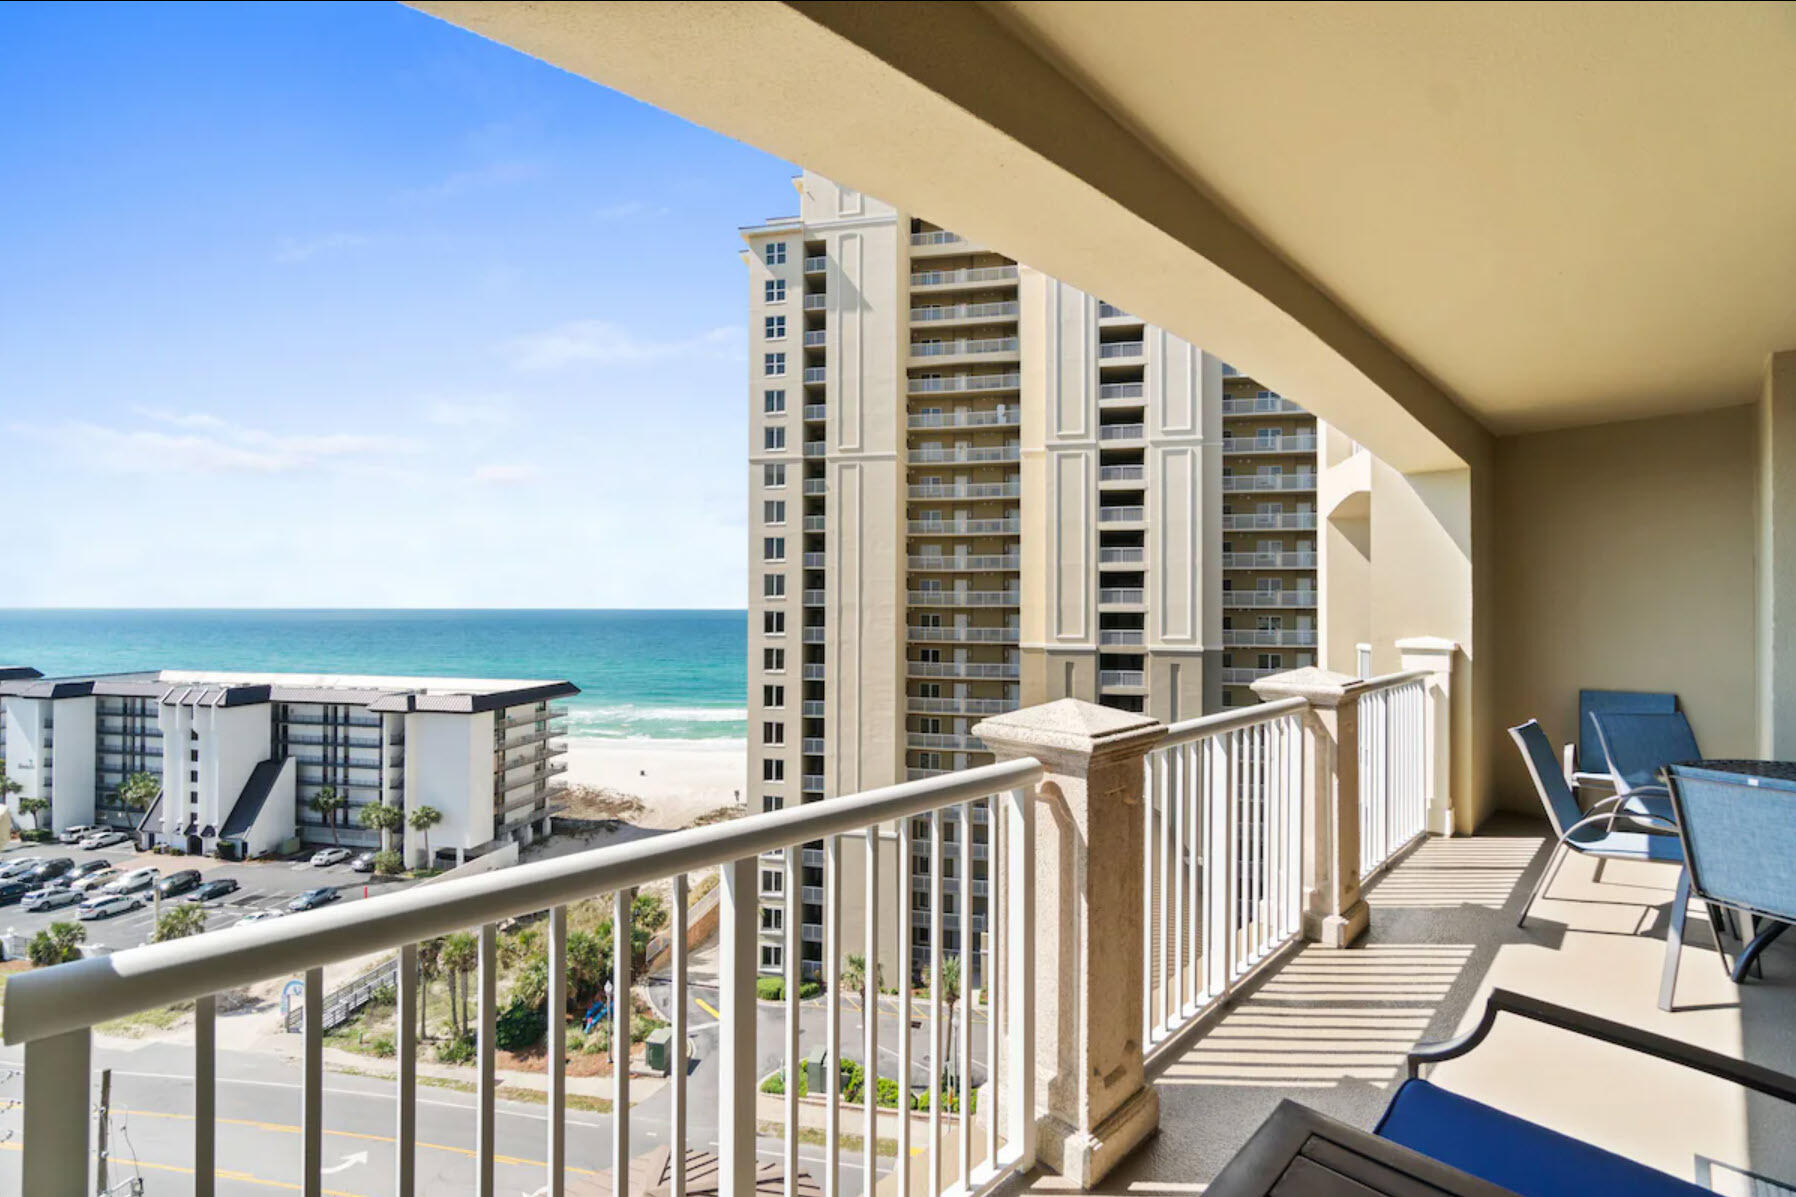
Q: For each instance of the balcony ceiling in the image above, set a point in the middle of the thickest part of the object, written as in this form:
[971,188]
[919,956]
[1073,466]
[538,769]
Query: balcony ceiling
[1561,212]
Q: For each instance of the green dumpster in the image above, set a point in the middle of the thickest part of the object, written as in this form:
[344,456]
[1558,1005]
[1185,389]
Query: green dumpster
[659,1050]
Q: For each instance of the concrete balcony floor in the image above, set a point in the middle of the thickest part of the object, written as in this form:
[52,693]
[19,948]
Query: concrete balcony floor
[1330,1028]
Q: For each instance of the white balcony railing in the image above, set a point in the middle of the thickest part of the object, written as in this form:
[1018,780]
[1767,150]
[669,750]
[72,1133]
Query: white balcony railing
[816,374]
[1121,349]
[1126,555]
[816,264]
[1393,804]
[1223,801]
[815,338]
[1119,390]
[1269,598]
[1111,596]
[1121,432]
[944,741]
[966,454]
[1122,473]
[965,598]
[1262,405]
[1113,678]
[967,635]
[1269,560]
[1122,636]
[1268,637]
[1284,521]
[967,490]
[1121,515]
[1002,310]
[816,486]
[948,563]
[957,348]
[1246,675]
[959,706]
[816,302]
[52,1011]
[1302,442]
[1236,483]
[936,237]
[952,383]
[1005,527]
[991,671]
[955,278]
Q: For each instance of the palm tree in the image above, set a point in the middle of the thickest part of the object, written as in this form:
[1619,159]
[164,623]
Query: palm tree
[378,816]
[138,791]
[178,922]
[57,945]
[422,820]
[430,966]
[950,996]
[854,973]
[35,807]
[325,804]
[461,955]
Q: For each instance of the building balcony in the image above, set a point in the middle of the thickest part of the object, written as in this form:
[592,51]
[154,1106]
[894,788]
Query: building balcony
[814,634]
[1237,483]
[811,708]
[971,276]
[811,746]
[816,523]
[1269,637]
[815,560]
[1122,473]
[815,302]
[1120,390]
[812,783]
[815,412]
[1116,349]
[1133,514]
[816,374]
[940,239]
[1011,489]
[1261,406]
[1000,417]
[957,706]
[1121,596]
[1269,561]
[964,383]
[1122,679]
[966,455]
[961,313]
[984,346]
[815,338]
[1304,442]
[947,563]
[816,486]
[1246,675]
[943,741]
[1004,527]
[970,670]
[1122,432]
[816,264]
[1109,311]
[965,598]
[1269,598]
[813,672]
[1122,637]
[814,449]
[1278,521]
[813,598]
[1124,555]
[967,635]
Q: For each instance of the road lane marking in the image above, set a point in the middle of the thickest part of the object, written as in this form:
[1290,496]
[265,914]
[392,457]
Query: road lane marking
[218,1173]
[707,1007]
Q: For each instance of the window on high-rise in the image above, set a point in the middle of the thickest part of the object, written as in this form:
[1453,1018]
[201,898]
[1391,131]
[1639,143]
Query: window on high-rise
[773,623]
[774,438]
[773,548]
[773,660]
[774,290]
[773,733]
[774,252]
[773,770]
[773,403]
[773,476]
[773,364]
[773,328]
[773,511]
[773,696]
[773,586]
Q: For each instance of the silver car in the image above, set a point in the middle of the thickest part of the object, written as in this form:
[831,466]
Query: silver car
[50,898]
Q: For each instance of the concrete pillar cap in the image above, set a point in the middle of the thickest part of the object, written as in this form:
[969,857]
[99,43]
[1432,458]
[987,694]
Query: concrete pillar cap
[1427,644]
[1321,687]
[1071,727]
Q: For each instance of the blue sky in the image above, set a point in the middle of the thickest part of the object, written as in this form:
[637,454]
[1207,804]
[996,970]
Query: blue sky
[339,305]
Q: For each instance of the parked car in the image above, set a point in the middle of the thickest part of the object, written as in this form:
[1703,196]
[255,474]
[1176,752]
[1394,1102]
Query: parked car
[314,898]
[13,891]
[329,856]
[98,879]
[364,863]
[130,883]
[87,868]
[178,883]
[79,832]
[49,870]
[104,906]
[50,898]
[217,888]
[104,839]
[19,867]
[261,916]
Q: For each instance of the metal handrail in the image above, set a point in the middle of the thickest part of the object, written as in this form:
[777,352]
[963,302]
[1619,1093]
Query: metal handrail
[80,994]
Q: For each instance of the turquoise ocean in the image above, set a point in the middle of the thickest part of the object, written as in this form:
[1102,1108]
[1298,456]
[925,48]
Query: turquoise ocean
[643,675]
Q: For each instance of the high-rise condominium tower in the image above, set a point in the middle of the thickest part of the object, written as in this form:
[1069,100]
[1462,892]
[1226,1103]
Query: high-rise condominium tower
[974,487]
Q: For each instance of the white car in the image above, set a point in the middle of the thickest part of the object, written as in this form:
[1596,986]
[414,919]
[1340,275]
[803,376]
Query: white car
[74,835]
[330,856]
[19,867]
[260,916]
[50,898]
[106,905]
[131,882]
[94,881]
[104,839]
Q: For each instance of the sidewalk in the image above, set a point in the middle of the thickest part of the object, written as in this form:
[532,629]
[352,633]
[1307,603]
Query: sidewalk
[643,1085]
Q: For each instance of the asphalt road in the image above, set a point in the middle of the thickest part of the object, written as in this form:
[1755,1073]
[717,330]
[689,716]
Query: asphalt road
[266,885]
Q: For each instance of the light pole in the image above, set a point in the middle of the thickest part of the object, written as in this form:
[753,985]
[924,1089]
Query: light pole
[611,1035]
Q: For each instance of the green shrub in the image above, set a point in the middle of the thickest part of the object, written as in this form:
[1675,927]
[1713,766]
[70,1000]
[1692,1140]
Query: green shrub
[389,864]
[599,1042]
[887,1092]
[810,989]
[382,1045]
[459,1050]
[776,1083]
[38,835]
[644,1025]
[576,1041]
[384,995]
[519,1026]
[770,989]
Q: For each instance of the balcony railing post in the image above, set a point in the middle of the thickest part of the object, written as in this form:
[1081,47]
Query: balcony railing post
[1088,902]
[58,1113]
[1334,912]
[1436,656]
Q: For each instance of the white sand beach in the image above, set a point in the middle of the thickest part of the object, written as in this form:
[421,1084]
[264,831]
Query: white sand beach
[677,781]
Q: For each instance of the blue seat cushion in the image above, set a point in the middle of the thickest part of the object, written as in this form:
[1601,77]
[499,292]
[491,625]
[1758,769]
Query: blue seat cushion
[1515,1154]
[1598,840]
[1655,802]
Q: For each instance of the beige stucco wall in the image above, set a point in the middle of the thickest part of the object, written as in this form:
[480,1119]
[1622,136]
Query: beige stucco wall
[1624,559]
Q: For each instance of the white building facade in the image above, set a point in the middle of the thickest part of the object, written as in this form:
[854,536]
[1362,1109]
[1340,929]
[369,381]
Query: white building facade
[239,757]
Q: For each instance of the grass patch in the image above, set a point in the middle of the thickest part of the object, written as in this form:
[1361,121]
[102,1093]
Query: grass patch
[146,1022]
[518,1093]
[813,1137]
[540,1097]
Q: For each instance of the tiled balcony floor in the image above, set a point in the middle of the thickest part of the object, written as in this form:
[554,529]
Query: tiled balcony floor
[1330,1028]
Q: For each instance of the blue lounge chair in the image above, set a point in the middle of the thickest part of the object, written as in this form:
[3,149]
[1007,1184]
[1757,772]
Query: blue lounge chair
[1525,1157]
[1636,746]
[1585,764]
[1738,827]
[1595,833]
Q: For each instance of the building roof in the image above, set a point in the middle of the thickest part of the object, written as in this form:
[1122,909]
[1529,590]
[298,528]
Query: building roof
[215,688]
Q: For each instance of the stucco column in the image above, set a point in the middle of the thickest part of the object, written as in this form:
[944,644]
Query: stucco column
[1334,913]
[1436,656]
[1776,597]
[1088,901]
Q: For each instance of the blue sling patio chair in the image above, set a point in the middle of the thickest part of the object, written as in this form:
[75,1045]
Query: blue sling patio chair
[1737,823]
[1528,1158]
[1636,746]
[1585,765]
[1596,833]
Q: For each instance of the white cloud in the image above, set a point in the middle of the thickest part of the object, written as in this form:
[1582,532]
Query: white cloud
[491,412]
[481,178]
[501,474]
[293,250]
[602,343]
[221,448]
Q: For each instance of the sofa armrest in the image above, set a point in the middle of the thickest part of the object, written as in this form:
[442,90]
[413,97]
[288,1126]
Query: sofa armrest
[1502,1001]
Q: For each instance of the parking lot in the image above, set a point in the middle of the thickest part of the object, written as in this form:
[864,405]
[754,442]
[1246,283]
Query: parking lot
[264,885]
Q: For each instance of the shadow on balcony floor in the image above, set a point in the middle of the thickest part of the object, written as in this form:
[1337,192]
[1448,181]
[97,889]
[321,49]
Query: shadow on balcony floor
[1330,1028]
